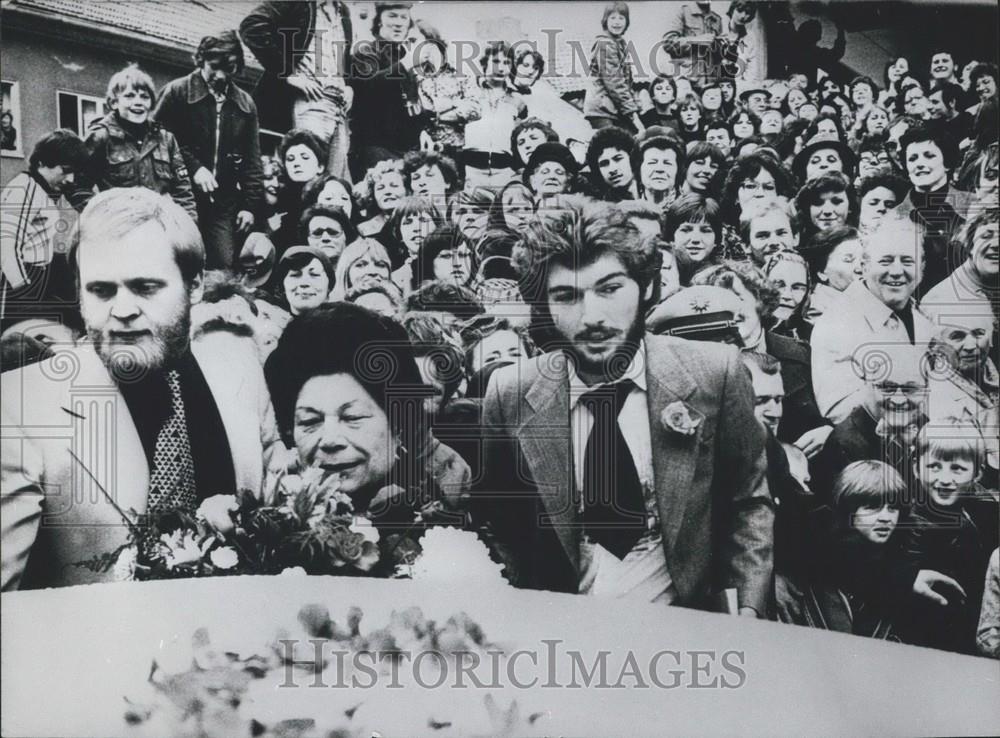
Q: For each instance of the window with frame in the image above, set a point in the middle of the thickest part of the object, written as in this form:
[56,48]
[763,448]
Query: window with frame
[10,119]
[76,111]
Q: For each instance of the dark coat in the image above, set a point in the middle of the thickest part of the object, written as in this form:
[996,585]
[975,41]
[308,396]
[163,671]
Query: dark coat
[187,109]
[382,85]
[801,413]
[278,34]
[854,439]
[716,513]
[958,543]
[942,215]
[115,159]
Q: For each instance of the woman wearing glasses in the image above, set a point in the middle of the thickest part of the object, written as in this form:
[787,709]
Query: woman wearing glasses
[756,178]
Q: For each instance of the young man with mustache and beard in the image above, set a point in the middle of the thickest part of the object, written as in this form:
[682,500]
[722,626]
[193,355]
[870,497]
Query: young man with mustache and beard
[874,312]
[215,123]
[149,423]
[620,463]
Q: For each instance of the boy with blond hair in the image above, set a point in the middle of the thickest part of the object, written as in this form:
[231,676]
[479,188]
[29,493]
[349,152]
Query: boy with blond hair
[953,532]
[126,149]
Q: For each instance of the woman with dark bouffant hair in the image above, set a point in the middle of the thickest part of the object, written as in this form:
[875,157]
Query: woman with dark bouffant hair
[756,176]
[347,396]
[302,157]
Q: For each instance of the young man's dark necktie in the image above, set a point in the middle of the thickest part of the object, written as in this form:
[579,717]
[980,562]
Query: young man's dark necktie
[614,511]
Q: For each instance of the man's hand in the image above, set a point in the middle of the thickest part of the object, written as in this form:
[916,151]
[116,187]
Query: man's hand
[204,180]
[748,612]
[637,122]
[811,442]
[927,580]
[244,221]
[426,142]
[408,59]
[309,87]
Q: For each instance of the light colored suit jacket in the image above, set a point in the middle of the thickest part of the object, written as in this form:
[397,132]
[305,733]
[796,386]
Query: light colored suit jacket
[860,327]
[53,512]
[715,509]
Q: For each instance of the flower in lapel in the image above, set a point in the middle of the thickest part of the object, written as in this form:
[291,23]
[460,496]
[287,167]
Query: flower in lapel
[677,417]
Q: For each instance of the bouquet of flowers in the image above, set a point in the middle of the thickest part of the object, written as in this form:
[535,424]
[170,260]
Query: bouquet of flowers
[305,523]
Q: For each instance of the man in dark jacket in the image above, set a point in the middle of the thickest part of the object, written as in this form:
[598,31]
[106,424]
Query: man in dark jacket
[384,118]
[305,49]
[215,123]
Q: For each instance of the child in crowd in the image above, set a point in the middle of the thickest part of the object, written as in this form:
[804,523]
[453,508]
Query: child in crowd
[954,530]
[126,149]
[843,587]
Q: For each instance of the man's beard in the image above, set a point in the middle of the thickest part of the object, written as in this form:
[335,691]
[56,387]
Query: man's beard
[130,361]
[612,366]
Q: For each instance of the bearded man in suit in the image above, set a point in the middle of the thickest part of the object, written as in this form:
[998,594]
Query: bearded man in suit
[621,463]
[132,419]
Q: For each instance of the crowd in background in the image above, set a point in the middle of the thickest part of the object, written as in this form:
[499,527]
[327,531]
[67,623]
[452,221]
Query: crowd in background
[843,233]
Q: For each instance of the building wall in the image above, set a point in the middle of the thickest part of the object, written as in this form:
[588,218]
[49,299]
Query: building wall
[43,67]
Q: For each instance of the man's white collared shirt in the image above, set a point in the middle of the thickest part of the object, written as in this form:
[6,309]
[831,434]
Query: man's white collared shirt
[642,574]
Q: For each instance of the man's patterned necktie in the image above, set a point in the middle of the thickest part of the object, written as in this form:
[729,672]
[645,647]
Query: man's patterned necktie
[171,481]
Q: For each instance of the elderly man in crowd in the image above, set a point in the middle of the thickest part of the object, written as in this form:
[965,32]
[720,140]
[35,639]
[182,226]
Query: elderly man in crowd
[174,419]
[215,123]
[894,406]
[876,311]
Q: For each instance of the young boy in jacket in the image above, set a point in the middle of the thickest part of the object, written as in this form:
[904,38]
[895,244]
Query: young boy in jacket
[126,149]
[953,532]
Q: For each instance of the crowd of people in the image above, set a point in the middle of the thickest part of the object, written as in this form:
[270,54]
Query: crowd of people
[788,291]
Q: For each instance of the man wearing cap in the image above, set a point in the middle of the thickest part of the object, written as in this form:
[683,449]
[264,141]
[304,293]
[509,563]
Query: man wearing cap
[305,49]
[135,419]
[256,261]
[755,99]
[823,153]
[550,170]
[215,123]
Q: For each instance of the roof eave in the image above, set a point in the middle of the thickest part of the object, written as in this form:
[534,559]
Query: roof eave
[126,41]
